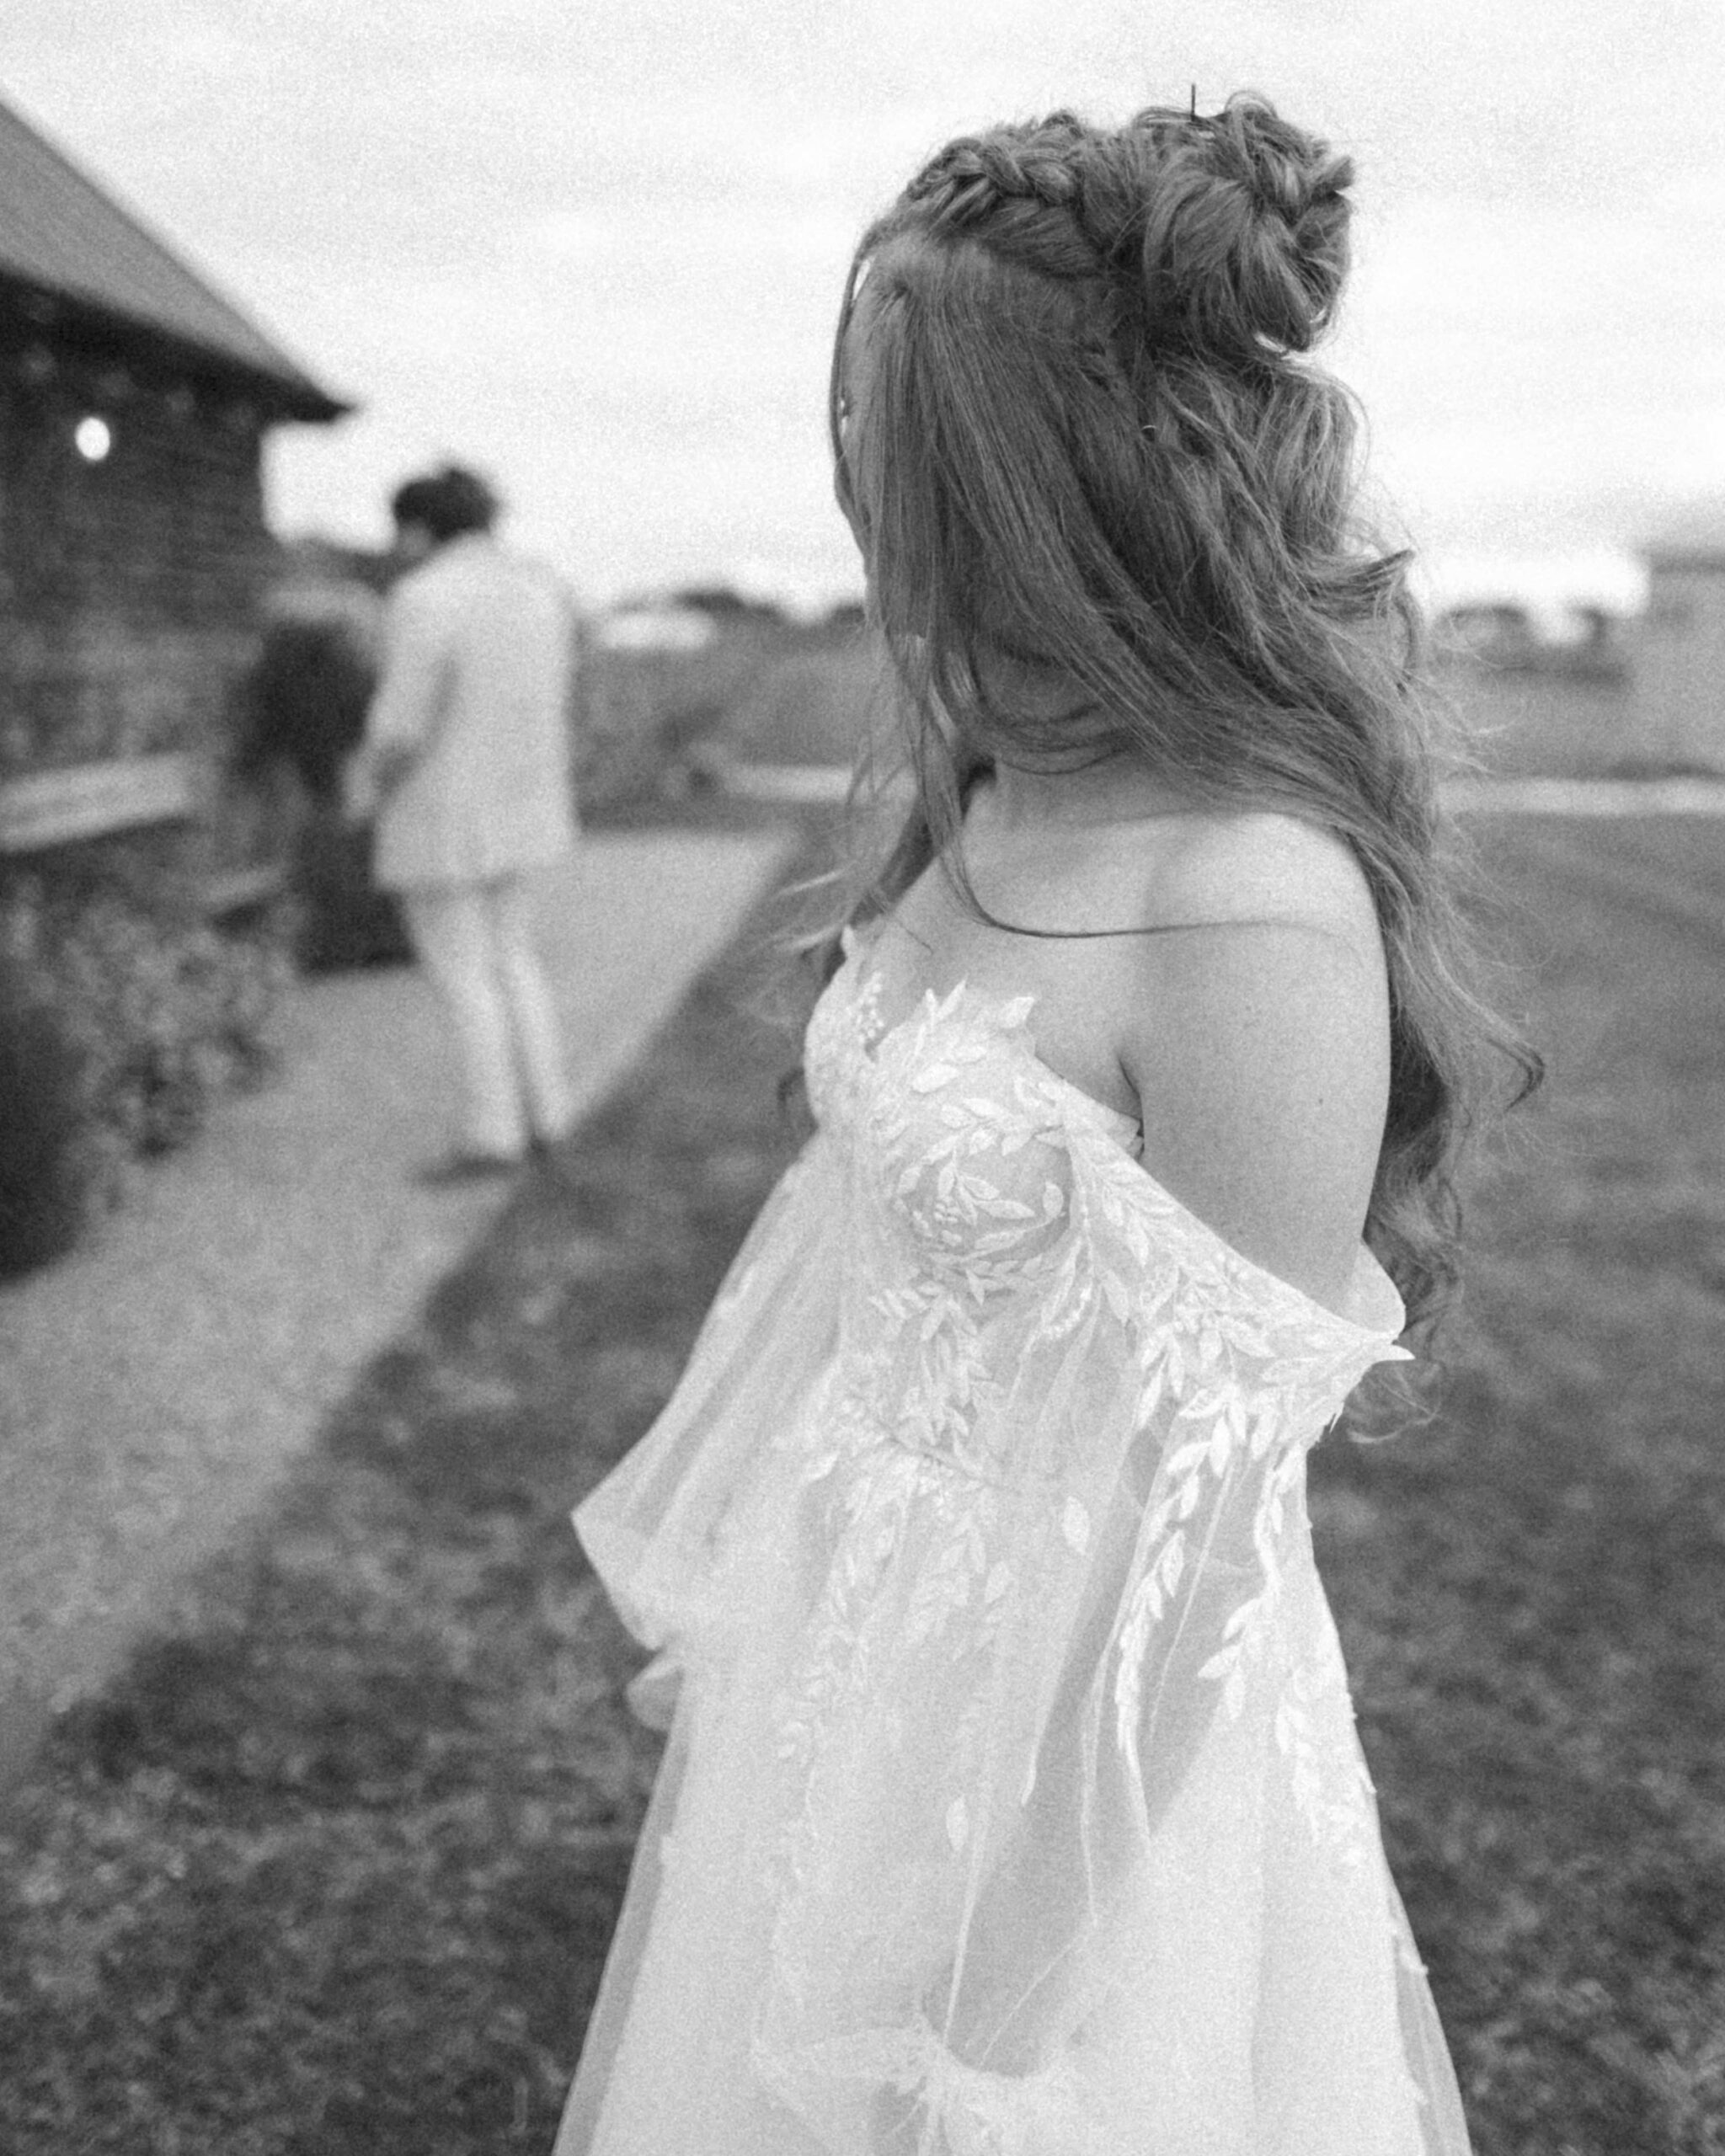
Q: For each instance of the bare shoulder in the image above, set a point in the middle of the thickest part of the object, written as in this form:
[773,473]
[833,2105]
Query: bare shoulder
[1253,1031]
[1264,865]
[1266,957]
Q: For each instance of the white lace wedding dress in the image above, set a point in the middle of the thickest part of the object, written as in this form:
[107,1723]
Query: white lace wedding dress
[1012,1804]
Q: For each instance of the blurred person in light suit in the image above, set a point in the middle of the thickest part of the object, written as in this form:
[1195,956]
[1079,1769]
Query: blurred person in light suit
[465,765]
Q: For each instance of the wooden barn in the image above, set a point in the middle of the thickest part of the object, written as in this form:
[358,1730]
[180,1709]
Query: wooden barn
[134,554]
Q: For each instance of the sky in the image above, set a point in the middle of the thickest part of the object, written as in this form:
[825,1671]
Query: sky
[596,246]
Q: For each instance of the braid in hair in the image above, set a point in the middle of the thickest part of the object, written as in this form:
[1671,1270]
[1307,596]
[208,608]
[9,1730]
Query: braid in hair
[1018,191]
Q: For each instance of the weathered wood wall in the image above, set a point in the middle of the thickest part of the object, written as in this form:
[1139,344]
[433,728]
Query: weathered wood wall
[129,587]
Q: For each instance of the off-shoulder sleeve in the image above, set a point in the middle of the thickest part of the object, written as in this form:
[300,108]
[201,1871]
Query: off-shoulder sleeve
[1053,1755]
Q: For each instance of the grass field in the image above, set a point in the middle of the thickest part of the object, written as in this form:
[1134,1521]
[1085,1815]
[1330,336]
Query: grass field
[330,1868]
[1533,1594]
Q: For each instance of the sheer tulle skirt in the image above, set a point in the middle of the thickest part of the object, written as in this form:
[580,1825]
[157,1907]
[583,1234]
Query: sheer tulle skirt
[1248,1996]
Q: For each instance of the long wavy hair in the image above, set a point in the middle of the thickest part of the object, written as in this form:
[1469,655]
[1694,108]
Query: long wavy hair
[1093,451]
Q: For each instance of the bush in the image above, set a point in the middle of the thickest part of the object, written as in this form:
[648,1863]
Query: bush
[138,1014]
[654,723]
[641,719]
[44,1159]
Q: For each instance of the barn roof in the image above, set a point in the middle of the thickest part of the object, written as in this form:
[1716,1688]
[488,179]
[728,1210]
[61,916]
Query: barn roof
[63,236]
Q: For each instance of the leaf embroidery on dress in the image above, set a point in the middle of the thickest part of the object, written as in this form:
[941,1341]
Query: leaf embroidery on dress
[1009,1252]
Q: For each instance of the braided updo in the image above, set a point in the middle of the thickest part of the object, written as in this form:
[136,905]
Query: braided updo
[1227,234]
[1093,449]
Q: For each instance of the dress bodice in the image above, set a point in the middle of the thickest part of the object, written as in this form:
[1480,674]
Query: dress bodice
[961,1143]
[851,1051]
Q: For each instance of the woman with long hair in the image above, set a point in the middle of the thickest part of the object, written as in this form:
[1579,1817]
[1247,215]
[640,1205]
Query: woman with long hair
[1012,1804]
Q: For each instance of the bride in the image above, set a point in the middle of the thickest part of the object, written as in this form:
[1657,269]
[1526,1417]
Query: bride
[1012,1804]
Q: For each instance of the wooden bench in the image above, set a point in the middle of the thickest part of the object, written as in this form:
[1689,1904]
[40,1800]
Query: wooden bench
[49,809]
[87,801]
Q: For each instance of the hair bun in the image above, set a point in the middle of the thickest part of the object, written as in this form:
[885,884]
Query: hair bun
[1245,232]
